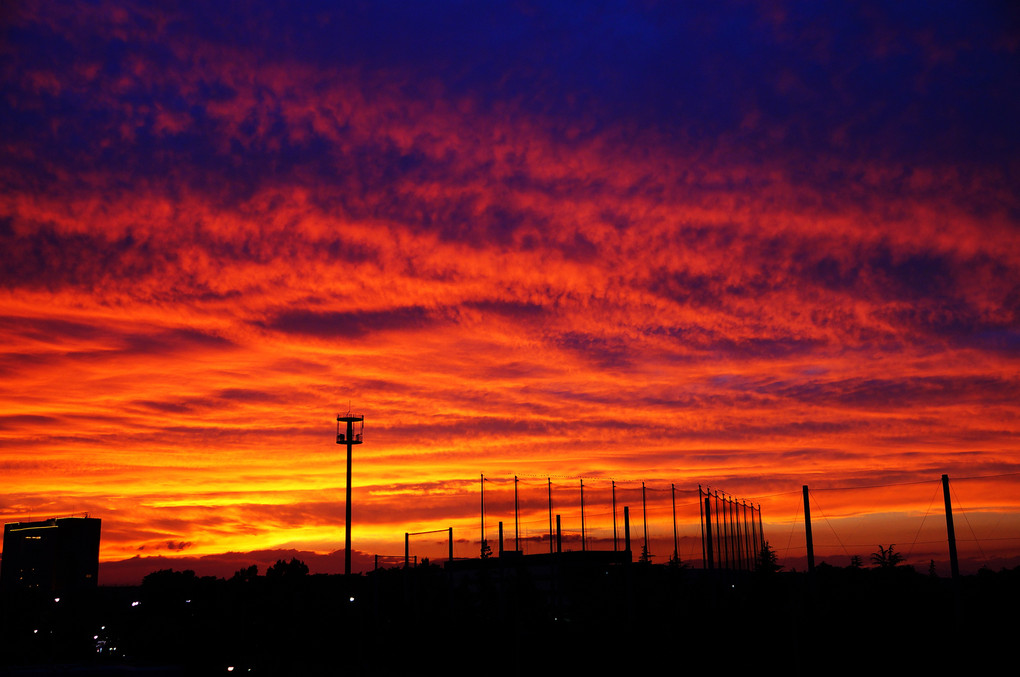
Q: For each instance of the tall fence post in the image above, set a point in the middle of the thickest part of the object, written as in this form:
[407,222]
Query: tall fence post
[407,548]
[707,540]
[761,529]
[481,547]
[550,517]
[701,509]
[676,539]
[626,531]
[584,546]
[517,518]
[644,519]
[725,533]
[616,545]
[749,530]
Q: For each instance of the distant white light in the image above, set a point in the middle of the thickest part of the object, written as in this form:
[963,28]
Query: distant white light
[56,599]
[230,668]
[352,598]
[35,632]
[135,603]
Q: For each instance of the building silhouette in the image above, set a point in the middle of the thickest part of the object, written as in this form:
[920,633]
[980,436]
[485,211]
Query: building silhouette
[54,557]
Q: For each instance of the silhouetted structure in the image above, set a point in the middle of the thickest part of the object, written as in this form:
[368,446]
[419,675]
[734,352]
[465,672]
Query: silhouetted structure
[53,557]
[730,539]
[355,429]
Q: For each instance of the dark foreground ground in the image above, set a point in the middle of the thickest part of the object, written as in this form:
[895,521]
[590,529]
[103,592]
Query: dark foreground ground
[520,616]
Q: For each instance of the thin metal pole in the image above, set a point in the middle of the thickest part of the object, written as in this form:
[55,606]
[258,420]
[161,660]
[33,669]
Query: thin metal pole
[754,537]
[407,548]
[718,530]
[676,540]
[517,519]
[742,532]
[734,533]
[747,536]
[728,531]
[751,539]
[347,529]
[451,544]
[754,533]
[482,484]
[723,536]
[559,535]
[706,543]
[701,509]
[807,533]
[583,545]
[738,550]
[644,517]
[626,531]
[761,528]
[616,545]
[550,517]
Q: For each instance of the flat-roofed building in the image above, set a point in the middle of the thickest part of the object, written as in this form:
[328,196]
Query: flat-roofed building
[55,556]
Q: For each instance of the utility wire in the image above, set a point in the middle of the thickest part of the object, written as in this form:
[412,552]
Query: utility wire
[967,520]
[923,518]
[828,523]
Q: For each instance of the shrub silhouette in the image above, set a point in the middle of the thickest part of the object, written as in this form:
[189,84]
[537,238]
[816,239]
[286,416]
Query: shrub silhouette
[886,558]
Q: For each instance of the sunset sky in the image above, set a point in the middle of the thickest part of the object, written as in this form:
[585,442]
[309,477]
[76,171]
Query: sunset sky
[750,246]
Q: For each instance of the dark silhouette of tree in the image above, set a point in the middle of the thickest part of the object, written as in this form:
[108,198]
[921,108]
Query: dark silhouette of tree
[767,560]
[246,575]
[170,584]
[856,562]
[645,557]
[886,558]
[931,569]
[486,550]
[292,569]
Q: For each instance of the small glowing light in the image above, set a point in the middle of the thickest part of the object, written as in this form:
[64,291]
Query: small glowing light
[95,636]
[56,599]
[187,601]
[35,632]
[135,603]
[230,668]
[352,598]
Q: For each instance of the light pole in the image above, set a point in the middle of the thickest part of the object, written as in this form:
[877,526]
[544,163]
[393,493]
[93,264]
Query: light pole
[351,437]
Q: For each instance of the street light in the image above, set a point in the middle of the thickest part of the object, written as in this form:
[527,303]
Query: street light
[351,437]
